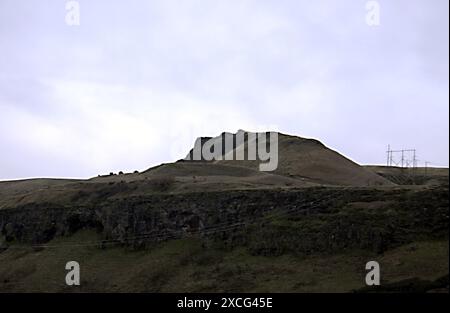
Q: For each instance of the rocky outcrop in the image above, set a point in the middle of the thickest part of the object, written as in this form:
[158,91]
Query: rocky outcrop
[268,222]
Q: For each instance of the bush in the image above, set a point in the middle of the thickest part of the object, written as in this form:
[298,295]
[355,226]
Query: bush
[161,183]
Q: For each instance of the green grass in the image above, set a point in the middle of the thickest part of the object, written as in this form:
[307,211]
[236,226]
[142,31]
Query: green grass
[189,265]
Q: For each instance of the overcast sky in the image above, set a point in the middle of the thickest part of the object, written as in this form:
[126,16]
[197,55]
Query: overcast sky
[137,81]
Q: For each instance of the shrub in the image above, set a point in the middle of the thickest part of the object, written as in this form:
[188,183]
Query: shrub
[161,183]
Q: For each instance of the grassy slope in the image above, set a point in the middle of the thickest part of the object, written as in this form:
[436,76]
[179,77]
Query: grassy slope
[187,266]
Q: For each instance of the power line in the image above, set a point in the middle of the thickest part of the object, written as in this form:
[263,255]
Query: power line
[404,158]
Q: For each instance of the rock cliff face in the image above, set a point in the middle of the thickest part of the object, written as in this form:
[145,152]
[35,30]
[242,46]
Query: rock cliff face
[269,222]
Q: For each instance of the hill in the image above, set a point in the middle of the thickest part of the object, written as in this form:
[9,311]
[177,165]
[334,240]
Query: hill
[302,163]
[225,226]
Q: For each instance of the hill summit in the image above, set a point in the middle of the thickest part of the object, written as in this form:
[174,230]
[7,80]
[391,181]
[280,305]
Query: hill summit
[299,158]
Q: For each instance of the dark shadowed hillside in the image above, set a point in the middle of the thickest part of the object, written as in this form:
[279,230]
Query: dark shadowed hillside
[224,226]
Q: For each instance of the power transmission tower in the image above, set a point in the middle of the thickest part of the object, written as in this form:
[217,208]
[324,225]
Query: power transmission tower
[405,158]
[426,167]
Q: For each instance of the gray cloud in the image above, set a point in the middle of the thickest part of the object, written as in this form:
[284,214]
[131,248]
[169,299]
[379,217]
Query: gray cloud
[136,82]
